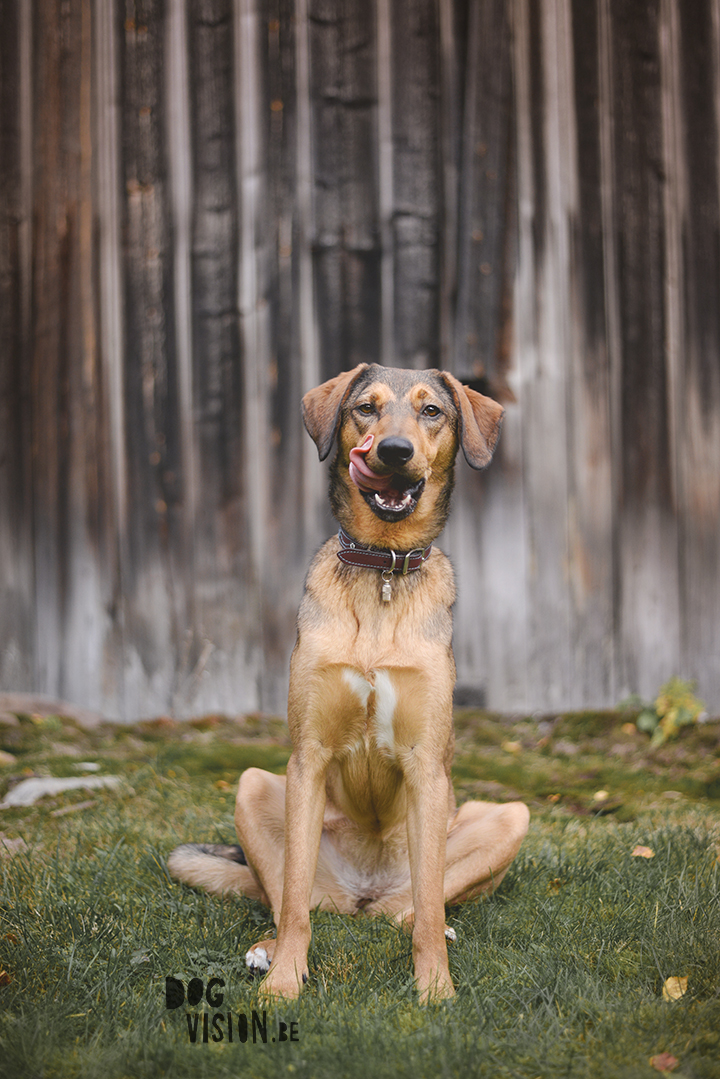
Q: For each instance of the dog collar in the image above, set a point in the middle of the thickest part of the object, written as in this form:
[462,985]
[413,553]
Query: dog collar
[353,553]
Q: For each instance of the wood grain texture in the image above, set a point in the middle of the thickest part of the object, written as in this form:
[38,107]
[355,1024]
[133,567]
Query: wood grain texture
[209,206]
[16,578]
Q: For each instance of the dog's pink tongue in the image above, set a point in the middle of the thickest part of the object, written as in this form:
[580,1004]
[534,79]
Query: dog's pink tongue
[360,472]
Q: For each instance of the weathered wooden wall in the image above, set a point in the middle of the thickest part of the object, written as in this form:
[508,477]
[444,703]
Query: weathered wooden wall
[208,206]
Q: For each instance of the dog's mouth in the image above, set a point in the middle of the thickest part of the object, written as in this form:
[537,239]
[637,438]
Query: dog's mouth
[396,501]
[390,497]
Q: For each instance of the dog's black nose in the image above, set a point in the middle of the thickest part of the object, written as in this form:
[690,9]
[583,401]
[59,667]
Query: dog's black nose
[395,451]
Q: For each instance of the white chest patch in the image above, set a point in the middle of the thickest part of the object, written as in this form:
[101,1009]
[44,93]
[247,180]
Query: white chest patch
[385,702]
[359,685]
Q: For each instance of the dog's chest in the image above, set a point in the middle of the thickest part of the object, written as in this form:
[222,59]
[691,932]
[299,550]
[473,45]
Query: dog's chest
[377,696]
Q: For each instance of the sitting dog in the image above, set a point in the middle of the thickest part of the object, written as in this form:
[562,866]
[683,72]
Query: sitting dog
[365,820]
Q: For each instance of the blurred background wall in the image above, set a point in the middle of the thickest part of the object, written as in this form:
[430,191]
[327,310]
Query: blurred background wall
[209,206]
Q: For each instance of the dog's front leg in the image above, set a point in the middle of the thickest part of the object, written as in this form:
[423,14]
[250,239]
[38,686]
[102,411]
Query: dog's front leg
[304,811]
[427,800]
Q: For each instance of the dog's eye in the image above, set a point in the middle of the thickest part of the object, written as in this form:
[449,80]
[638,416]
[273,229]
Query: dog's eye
[366,409]
[432,411]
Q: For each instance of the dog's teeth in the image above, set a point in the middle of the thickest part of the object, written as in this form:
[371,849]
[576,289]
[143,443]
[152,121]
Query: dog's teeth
[393,504]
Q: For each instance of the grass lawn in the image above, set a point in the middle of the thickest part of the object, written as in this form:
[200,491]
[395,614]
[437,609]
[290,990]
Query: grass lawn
[559,974]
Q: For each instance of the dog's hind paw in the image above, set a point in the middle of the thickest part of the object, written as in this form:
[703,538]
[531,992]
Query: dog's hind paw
[450,933]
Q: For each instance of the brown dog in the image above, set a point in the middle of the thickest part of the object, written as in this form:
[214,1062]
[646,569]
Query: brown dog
[365,820]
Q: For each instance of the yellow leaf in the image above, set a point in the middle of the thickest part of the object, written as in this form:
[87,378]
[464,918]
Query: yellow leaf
[674,988]
[512,747]
[643,852]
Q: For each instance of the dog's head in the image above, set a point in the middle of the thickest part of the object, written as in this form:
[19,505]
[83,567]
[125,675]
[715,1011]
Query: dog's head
[397,435]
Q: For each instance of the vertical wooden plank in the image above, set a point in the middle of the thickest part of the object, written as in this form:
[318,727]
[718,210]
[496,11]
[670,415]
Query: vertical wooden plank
[295,481]
[16,577]
[486,237]
[647,528]
[154,559]
[485,536]
[591,563]
[255,318]
[347,235]
[50,310]
[87,670]
[111,344]
[449,120]
[179,92]
[691,73]
[417,181]
[547,201]
[385,182]
[69,476]
[222,560]
[314,500]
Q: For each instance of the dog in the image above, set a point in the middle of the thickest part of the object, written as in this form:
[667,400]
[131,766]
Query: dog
[365,820]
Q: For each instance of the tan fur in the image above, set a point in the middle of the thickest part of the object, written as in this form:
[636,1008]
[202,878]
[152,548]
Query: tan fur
[365,820]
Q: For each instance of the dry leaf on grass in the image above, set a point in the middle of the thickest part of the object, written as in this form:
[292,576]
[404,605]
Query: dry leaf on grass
[512,747]
[664,1062]
[674,988]
[643,852]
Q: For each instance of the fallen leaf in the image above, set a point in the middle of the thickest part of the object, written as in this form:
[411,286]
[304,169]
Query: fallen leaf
[512,747]
[664,1062]
[674,988]
[600,796]
[556,798]
[643,852]
[223,785]
[5,978]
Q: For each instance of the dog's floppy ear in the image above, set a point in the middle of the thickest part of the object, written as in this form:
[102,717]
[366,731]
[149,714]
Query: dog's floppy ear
[321,408]
[479,421]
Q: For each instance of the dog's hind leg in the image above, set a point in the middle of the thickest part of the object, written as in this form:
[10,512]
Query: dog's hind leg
[483,840]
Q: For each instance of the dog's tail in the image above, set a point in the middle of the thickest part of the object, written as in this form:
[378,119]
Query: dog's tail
[218,868]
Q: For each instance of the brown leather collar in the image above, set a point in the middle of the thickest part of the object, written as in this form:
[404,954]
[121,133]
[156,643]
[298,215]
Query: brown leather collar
[353,553]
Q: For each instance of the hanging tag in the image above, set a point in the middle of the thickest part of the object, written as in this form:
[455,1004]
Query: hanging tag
[386,589]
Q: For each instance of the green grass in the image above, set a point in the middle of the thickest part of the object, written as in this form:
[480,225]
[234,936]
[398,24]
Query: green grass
[559,974]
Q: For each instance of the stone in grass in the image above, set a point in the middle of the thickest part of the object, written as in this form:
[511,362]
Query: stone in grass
[30,790]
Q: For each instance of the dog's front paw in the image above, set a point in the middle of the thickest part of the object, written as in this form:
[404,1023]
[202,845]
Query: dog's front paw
[286,983]
[259,957]
[436,985]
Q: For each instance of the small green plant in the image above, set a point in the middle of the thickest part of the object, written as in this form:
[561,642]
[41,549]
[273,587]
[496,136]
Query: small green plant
[675,706]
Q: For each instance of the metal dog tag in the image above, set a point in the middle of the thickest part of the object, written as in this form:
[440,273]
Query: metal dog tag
[386,589]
